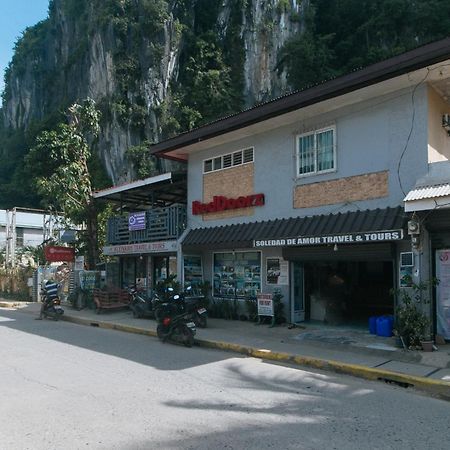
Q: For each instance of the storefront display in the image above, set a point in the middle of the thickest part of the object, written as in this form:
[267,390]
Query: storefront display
[237,274]
[193,270]
[132,268]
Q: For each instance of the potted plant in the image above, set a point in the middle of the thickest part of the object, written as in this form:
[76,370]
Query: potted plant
[411,325]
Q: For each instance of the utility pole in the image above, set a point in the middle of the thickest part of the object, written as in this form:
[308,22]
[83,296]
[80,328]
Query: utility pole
[11,237]
[48,227]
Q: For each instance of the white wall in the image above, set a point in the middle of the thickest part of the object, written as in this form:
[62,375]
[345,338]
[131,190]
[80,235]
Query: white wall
[371,136]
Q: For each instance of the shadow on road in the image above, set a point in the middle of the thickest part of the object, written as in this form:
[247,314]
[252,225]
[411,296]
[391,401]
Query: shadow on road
[138,348]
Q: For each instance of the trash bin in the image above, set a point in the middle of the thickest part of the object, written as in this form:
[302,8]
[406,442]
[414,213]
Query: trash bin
[384,326]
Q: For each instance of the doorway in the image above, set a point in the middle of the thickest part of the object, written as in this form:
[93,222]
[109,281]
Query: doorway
[348,292]
[132,269]
[297,292]
[163,267]
[341,292]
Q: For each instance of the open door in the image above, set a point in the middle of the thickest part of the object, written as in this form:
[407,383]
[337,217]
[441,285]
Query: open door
[297,293]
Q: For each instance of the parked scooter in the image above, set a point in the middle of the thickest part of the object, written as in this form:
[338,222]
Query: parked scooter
[141,305]
[174,322]
[194,305]
[52,307]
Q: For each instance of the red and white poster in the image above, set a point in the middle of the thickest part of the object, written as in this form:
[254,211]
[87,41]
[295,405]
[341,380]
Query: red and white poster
[55,253]
[443,293]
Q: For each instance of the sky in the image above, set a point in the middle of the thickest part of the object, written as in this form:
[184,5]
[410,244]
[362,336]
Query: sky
[15,16]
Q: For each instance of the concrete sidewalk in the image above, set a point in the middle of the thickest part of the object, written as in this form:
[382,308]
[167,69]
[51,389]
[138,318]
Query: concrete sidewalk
[353,352]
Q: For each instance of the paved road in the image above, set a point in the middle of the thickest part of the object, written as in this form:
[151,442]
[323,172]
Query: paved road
[65,386]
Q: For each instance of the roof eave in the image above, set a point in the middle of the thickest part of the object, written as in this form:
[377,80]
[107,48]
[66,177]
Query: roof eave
[376,73]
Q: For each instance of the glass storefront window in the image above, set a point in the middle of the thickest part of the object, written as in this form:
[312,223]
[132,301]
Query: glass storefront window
[193,271]
[163,267]
[160,268]
[134,268]
[237,274]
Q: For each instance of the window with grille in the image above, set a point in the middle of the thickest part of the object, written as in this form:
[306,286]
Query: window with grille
[19,237]
[316,152]
[229,160]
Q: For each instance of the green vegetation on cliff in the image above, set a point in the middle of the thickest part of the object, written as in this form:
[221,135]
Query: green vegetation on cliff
[206,44]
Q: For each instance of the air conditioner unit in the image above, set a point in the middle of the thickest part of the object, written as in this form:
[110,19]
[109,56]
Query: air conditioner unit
[407,259]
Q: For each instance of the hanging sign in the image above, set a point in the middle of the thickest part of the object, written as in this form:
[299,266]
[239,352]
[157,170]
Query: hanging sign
[54,253]
[350,238]
[136,221]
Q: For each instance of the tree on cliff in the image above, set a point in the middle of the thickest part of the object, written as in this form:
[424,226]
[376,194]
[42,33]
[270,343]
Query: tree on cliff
[63,160]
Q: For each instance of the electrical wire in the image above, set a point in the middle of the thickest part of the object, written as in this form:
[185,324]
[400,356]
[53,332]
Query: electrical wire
[405,148]
[410,129]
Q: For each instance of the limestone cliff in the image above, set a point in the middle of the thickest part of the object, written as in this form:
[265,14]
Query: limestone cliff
[135,58]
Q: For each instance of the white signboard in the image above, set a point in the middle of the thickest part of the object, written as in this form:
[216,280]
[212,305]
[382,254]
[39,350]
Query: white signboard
[265,305]
[79,263]
[443,293]
[145,247]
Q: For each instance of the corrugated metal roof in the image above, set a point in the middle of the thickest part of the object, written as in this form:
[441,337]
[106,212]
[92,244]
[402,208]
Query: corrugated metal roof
[242,235]
[419,193]
[398,65]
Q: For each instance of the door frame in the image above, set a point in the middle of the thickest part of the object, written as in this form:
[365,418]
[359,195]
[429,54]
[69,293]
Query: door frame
[297,316]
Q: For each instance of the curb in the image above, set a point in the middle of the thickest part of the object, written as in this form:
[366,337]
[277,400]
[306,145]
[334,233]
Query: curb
[437,388]
[13,304]
[109,326]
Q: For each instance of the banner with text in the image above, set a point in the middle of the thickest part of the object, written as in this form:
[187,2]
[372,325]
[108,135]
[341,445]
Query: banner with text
[145,247]
[350,238]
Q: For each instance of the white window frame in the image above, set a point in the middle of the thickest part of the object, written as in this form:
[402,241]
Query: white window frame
[297,150]
[241,151]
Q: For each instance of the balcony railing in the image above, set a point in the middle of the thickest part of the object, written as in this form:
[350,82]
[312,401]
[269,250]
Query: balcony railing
[162,224]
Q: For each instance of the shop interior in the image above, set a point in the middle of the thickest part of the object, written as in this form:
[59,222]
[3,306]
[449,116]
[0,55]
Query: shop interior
[348,292]
[144,271]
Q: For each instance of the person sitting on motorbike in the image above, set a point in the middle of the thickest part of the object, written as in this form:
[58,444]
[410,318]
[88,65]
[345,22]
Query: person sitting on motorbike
[50,292]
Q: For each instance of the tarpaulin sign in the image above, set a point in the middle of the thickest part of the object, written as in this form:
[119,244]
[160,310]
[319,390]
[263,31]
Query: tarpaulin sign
[54,253]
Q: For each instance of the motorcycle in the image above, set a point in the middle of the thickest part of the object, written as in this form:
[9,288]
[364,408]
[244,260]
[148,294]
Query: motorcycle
[52,307]
[141,305]
[174,322]
[193,304]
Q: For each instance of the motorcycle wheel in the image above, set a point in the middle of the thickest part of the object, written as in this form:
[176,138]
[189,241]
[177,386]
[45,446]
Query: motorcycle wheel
[60,312]
[202,321]
[160,332]
[188,336]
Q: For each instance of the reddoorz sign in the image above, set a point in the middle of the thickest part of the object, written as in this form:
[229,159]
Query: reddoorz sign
[221,203]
